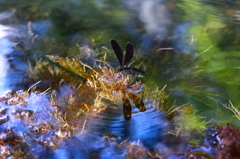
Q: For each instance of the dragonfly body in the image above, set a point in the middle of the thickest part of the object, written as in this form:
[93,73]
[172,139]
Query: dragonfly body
[123,60]
[133,69]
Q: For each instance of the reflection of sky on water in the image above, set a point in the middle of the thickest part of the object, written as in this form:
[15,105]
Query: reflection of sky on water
[15,40]
[155,18]
[11,65]
[6,48]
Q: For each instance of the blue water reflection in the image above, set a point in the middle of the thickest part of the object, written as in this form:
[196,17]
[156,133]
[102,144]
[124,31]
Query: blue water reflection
[6,48]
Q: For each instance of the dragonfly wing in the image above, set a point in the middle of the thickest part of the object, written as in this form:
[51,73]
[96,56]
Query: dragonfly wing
[137,101]
[129,53]
[118,51]
[134,69]
[127,109]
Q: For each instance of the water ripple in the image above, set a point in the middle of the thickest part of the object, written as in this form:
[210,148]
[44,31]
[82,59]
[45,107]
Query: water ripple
[148,127]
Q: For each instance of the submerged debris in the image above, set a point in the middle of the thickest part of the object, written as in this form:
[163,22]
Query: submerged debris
[228,138]
[40,128]
[9,137]
[6,96]
[22,114]
[3,111]
[4,119]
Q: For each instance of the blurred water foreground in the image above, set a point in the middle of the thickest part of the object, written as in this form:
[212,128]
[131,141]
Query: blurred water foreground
[62,96]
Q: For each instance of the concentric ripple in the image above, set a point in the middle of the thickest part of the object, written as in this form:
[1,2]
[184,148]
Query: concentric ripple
[148,127]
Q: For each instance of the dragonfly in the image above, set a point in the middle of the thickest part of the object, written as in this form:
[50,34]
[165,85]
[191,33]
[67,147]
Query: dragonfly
[125,58]
[126,95]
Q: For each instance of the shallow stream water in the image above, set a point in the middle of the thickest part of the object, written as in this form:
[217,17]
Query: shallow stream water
[192,48]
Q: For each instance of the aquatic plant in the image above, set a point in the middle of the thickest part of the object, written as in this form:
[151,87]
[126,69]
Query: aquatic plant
[235,110]
[102,82]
